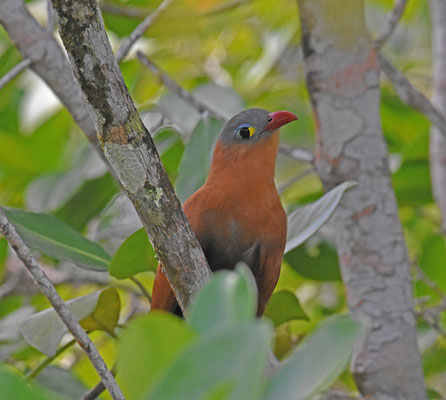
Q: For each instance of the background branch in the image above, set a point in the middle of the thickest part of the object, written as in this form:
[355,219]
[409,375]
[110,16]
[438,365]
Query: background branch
[391,23]
[410,95]
[130,40]
[59,306]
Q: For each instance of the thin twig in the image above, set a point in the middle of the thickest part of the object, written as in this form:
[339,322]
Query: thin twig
[130,40]
[284,186]
[132,12]
[48,360]
[297,153]
[51,17]
[390,25]
[410,95]
[59,305]
[200,106]
[98,389]
[9,76]
[144,291]
[224,7]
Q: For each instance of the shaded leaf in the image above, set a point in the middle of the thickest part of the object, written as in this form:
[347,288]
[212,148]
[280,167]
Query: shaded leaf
[147,347]
[317,362]
[230,360]
[412,183]
[135,255]
[228,299]
[105,315]
[45,329]
[92,197]
[55,238]
[61,381]
[305,221]
[13,386]
[195,163]
[284,306]
[433,260]
[317,262]
[3,256]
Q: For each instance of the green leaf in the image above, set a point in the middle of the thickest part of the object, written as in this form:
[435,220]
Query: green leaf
[13,386]
[53,237]
[61,381]
[306,220]
[135,255]
[317,362]
[88,202]
[318,262]
[433,260]
[3,256]
[229,298]
[284,306]
[195,163]
[147,347]
[45,329]
[231,360]
[412,183]
[105,315]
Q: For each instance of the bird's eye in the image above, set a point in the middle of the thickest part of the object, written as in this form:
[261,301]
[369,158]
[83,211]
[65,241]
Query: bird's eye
[245,131]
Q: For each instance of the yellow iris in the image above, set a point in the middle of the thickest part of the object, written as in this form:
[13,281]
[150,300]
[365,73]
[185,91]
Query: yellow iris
[251,130]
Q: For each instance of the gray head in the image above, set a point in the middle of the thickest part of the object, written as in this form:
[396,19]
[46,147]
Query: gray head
[252,125]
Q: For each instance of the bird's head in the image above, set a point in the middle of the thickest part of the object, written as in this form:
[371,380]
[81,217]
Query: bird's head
[252,125]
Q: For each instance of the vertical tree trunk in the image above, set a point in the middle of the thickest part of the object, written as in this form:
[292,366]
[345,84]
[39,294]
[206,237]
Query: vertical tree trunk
[437,140]
[343,80]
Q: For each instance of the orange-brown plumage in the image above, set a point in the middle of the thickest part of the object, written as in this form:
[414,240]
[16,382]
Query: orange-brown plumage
[236,215]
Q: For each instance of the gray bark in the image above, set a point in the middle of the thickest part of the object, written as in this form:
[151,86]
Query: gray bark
[437,140]
[343,80]
[129,147]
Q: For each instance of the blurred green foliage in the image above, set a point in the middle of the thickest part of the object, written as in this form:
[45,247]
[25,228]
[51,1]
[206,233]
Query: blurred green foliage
[252,50]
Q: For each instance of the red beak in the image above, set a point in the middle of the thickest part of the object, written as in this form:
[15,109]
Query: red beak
[278,119]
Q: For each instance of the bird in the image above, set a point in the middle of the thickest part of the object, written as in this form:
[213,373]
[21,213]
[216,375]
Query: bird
[237,214]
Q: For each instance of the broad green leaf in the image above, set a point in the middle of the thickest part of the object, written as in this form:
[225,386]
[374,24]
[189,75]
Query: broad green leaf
[317,362]
[433,260]
[412,183]
[228,299]
[53,237]
[13,386]
[306,220]
[52,191]
[61,381]
[147,347]
[195,163]
[92,197]
[105,315]
[318,262]
[45,329]
[231,359]
[135,255]
[3,256]
[284,306]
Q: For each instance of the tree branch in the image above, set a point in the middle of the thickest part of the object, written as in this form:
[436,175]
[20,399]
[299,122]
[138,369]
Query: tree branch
[410,95]
[390,25]
[437,146]
[16,70]
[130,40]
[129,147]
[59,306]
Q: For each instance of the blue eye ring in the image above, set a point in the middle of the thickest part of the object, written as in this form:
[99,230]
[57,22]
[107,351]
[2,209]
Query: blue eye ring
[245,131]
